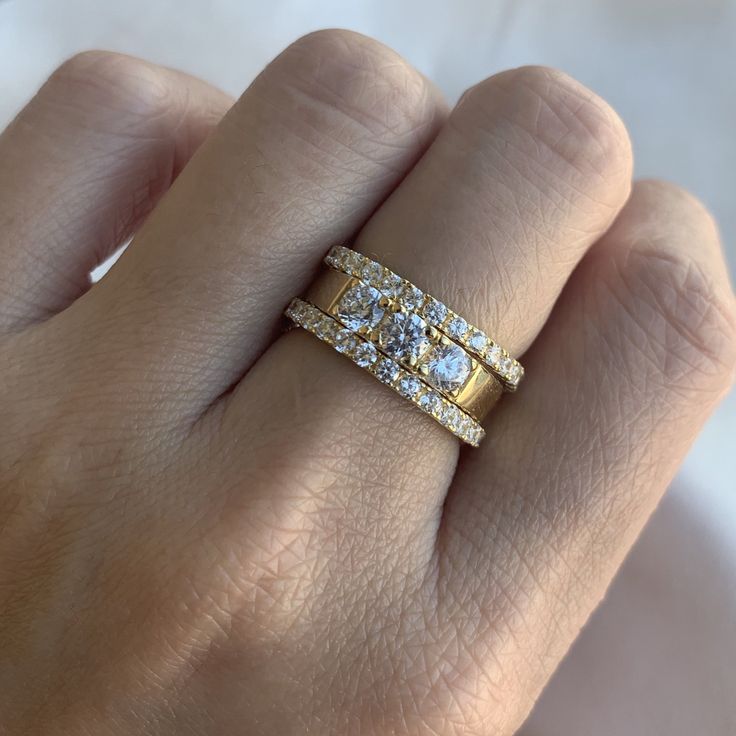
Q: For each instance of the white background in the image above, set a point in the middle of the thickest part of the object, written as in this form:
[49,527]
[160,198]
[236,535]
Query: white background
[659,657]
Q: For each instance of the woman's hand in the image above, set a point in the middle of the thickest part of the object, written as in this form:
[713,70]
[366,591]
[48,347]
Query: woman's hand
[209,528]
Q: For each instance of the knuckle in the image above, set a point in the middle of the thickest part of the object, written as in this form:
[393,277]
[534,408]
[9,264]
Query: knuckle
[689,210]
[359,77]
[689,319]
[102,80]
[549,117]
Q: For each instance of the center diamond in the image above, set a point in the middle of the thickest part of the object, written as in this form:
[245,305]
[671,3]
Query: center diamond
[403,335]
[359,307]
[448,367]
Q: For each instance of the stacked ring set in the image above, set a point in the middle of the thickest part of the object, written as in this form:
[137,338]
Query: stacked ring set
[408,340]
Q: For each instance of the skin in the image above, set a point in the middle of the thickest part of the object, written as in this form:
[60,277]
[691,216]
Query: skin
[210,527]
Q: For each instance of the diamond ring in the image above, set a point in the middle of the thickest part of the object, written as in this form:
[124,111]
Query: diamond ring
[408,340]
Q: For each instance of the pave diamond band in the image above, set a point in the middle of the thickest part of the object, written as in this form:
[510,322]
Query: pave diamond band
[407,338]
[387,370]
[386,283]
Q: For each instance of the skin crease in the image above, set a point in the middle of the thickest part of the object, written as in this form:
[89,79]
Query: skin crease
[208,528]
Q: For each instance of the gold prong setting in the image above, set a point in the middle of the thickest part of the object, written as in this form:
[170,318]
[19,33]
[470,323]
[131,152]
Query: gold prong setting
[436,314]
[362,352]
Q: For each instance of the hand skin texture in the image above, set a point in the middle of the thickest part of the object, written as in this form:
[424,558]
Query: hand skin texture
[212,528]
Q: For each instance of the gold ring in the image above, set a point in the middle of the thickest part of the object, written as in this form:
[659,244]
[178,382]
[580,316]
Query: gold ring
[436,314]
[364,354]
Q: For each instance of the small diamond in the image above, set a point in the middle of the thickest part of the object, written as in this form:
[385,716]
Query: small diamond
[477,341]
[448,366]
[387,370]
[371,272]
[457,327]
[435,312]
[462,424]
[325,329]
[448,415]
[311,318]
[409,386]
[494,355]
[352,261]
[365,354]
[345,341]
[391,285]
[505,365]
[430,402]
[359,307]
[411,297]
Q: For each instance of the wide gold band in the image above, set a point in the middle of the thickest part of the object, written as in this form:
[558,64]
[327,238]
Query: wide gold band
[476,390]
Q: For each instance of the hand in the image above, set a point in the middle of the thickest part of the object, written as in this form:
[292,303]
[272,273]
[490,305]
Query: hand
[209,527]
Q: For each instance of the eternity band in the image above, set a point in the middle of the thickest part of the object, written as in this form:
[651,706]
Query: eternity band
[436,314]
[408,340]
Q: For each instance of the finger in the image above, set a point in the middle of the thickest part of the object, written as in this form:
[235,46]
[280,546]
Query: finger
[311,148]
[528,171]
[82,165]
[638,352]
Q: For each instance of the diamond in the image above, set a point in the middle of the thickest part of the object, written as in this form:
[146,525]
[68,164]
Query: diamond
[448,366]
[311,318]
[345,341]
[430,402]
[435,312]
[325,328]
[477,341]
[387,370]
[471,433]
[359,307]
[371,271]
[411,296]
[365,354]
[352,261]
[391,285]
[447,415]
[403,335]
[457,327]
[462,423]
[409,386]
[494,355]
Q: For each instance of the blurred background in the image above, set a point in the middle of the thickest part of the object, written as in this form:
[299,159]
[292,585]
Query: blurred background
[659,656]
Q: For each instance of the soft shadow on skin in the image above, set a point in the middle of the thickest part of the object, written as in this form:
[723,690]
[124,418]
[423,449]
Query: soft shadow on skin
[657,656]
